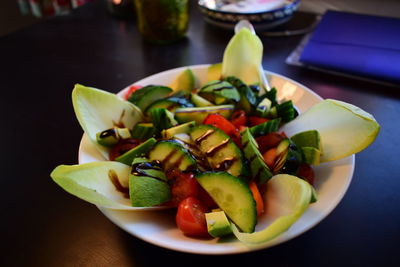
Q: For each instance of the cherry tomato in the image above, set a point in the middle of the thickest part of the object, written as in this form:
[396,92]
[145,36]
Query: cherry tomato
[269,141]
[206,198]
[239,118]
[306,172]
[253,121]
[131,90]
[183,185]
[223,124]
[190,217]
[122,147]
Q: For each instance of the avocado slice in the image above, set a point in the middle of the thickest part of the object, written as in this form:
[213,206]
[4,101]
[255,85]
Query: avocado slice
[183,128]
[220,151]
[310,144]
[198,114]
[220,92]
[185,81]
[171,154]
[218,224]
[199,101]
[139,151]
[214,72]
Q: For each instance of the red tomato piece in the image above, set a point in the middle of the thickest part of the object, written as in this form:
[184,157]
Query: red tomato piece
[239,118]
[226,126]
[269,141]
[183,185]
[190,217]
[270,156]
[253,121]
[122,147]
[131,90]
[206,198]
[306,172]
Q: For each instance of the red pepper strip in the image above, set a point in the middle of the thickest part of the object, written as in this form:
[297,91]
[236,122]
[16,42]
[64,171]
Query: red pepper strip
[226,126]
[253,121]
[239,118]
[131,90]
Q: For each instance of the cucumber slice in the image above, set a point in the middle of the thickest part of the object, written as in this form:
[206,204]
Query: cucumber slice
[139,151]
[143,131]
[172,154]
[233,196]
[248,99]
[220,151]
[145,96]
[286,111]
[287,194]
[219,92]
[265,128]
[259,170]
[198,114]
[344,128]
[162,119]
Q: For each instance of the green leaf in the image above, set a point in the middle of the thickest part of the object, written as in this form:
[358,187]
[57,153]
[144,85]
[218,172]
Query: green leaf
[93,182]
[286,194]
[243,58]
[99,110]
[344,128]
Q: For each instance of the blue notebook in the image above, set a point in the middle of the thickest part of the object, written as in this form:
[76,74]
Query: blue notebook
[361,45]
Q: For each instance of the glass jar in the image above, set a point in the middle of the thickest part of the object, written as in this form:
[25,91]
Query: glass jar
[162,21]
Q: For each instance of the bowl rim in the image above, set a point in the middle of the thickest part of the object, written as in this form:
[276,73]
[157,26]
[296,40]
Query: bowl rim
[290,4]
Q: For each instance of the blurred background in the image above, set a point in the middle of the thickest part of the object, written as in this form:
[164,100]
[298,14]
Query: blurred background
[17,14]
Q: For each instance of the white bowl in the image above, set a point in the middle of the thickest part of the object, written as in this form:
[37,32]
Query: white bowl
[158,227]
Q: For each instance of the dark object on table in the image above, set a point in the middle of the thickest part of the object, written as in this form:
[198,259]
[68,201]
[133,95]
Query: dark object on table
[215,14]
[361,45]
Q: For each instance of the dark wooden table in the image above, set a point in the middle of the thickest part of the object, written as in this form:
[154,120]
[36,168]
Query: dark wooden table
[41,225]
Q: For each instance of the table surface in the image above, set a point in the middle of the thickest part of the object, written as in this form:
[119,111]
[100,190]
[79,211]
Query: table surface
[42,225]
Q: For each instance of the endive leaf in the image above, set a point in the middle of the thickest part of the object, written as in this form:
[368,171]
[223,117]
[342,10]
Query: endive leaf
[286,194]
[344,128]
[93,182]
[99,110]
[243,58]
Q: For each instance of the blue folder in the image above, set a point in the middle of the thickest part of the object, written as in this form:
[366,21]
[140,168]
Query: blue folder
[355,44]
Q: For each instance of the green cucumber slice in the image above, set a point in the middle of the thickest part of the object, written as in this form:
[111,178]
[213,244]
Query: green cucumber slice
[344,128]
[265,128]
[233,196]
[143,131]
[147,95]
[286,194]
[259,170]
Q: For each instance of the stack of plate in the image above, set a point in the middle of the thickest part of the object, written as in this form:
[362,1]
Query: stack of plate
[263,14]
